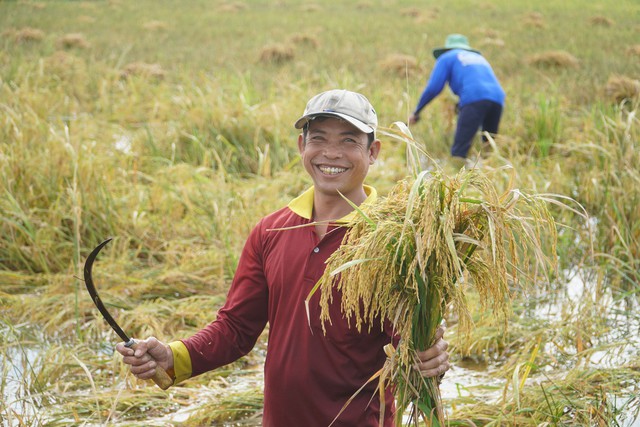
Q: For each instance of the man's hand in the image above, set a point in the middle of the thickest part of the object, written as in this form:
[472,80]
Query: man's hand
[434,361]
[148,354]
[413,119]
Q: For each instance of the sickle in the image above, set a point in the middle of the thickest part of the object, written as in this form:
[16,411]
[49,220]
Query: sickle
[161,378]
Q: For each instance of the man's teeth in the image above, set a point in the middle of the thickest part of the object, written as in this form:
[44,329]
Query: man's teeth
[332,170]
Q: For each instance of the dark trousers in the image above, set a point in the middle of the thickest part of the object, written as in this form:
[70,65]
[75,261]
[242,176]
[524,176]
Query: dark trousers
[471,117]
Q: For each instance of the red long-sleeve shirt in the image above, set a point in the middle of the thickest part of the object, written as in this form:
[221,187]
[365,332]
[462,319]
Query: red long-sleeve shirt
[309,376]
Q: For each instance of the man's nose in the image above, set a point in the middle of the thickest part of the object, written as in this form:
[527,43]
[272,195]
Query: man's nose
[332,150]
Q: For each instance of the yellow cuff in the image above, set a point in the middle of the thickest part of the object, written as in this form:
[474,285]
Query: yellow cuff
[181,361]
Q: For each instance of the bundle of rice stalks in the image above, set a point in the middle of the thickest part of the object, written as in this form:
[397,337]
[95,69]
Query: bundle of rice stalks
[73,40]
[601,21]
[534,19]
[412,12]
[233,7]
[491,42]
[310,8]
[86,19]
[634,50]
[553,59]
[400,64]
[25,35]
[305,40]
[87,5]
[277,53]
[487,5]
[621,88]
[489,33]
[143,69]
[414,255]
[362,5]
[155,26]
[426,16]
[63,63]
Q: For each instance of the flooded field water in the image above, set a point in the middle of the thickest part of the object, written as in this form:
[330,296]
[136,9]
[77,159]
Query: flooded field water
[471,380]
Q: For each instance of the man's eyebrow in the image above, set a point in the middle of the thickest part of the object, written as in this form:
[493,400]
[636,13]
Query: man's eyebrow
[322,131]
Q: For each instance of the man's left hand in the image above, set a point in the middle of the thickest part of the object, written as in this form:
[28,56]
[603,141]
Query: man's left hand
[434,361]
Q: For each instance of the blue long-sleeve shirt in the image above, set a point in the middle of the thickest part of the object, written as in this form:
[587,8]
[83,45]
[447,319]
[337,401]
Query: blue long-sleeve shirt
[469,76]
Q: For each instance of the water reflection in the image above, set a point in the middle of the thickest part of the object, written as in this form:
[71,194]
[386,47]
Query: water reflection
[19,365]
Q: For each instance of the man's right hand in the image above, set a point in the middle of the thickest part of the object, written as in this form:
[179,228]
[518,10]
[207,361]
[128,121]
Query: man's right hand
[413,119]
[148,354]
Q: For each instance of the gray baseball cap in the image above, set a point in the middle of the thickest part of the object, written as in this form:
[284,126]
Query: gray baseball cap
[350,106]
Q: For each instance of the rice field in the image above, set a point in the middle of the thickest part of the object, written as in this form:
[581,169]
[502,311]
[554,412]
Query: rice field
[169,127]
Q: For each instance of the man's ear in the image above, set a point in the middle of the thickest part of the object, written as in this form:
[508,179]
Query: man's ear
[374,150]
[301,143]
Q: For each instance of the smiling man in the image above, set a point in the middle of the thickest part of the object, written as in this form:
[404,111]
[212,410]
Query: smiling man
[309,375]
[337,146]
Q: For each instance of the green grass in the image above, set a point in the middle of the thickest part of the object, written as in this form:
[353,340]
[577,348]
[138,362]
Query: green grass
[179,166]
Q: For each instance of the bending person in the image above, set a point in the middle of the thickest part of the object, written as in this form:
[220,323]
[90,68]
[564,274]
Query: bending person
[471,78]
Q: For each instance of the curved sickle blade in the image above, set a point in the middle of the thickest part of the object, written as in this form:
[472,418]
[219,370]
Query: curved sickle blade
[88,281]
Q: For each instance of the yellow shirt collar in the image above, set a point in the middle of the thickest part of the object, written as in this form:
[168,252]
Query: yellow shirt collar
[303,204]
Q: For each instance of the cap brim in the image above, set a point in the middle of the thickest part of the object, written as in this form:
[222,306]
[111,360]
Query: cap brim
[357,123]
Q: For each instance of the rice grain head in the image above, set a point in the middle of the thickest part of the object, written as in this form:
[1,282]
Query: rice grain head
[432,227]
[409,257]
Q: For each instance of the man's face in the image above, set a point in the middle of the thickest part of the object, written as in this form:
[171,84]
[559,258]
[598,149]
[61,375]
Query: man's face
[337,156]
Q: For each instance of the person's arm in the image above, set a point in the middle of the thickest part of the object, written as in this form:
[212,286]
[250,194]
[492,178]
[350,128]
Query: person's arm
[437,80]
[238,325]
[240,321]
